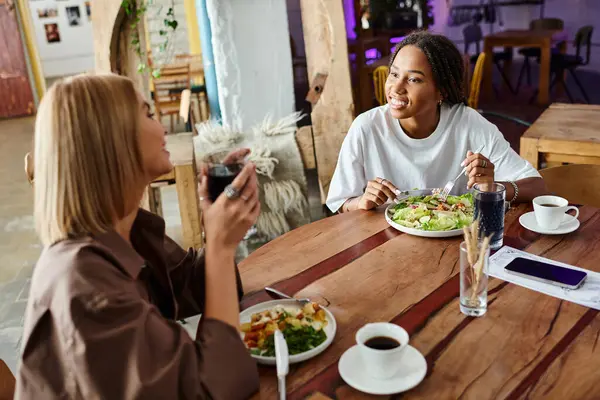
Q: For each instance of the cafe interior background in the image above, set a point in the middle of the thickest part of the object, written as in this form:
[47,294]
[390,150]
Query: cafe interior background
[250,70]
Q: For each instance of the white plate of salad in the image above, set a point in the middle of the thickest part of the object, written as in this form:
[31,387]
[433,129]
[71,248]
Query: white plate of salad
[425,214]
[308,329]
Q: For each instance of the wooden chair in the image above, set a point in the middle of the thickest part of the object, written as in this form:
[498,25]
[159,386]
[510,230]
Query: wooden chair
[198,87]
[475,86]
[167,90]
[379,77]
[7,382]
[578,183]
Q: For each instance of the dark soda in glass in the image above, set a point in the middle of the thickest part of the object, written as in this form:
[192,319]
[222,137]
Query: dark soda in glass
[219,176]
[489,209]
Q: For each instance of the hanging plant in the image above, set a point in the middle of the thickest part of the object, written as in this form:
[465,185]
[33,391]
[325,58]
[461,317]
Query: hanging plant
[135,11]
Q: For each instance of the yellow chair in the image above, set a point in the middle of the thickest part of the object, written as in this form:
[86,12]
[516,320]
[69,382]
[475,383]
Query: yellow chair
[578,183]
[473,100]
[379,77]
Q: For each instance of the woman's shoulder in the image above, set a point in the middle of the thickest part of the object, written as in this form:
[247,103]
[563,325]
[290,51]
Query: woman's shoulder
[369,123]
[461,113]
[373,116]
[72,268]
[461,116]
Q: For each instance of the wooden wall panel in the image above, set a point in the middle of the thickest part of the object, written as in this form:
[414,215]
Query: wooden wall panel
[327,53]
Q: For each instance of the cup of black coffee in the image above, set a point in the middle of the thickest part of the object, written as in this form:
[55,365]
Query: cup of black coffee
[223,166]
[381,345]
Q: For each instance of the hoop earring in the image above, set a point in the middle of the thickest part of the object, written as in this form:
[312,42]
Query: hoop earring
[440,102]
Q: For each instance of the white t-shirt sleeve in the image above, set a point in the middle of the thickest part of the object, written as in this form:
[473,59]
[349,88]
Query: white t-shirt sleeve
[348,180]
[509,166]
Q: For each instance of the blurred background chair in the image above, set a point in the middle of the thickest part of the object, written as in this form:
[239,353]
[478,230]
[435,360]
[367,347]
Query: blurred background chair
[472,34]
[562,63]
[167,91]
[535,52]
[475,87]
[379,77]
[579,183]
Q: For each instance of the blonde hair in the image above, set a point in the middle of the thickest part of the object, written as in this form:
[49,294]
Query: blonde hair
[87,156]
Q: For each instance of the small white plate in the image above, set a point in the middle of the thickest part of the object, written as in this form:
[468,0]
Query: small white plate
[410,374]
[568,225]
[330,330]
[419,232]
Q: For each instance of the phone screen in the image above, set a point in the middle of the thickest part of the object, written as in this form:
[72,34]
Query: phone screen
[562,275]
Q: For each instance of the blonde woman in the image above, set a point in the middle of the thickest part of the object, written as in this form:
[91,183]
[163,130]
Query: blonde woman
[109,285]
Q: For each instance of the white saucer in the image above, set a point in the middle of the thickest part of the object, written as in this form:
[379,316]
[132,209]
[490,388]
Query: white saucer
[568,225]
[411,373]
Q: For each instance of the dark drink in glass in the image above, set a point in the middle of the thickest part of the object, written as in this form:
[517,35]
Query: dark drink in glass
[489,209]
[219,176]
[222,167]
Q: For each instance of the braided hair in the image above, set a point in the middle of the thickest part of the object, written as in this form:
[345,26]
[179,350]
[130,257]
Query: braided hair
[445,60]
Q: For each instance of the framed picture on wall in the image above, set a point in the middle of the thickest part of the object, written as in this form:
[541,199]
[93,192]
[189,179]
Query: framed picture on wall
[52,33]
[47,12]
[88,10]
[73,16]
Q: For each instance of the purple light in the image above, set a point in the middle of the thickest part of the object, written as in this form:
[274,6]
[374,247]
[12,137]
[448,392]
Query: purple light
[371,53]
[395,40]
[350,19]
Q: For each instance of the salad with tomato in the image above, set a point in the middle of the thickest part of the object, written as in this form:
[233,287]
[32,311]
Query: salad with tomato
[431,213]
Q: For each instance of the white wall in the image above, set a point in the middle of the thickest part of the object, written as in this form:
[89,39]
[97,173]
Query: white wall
[74,53]
[251,44]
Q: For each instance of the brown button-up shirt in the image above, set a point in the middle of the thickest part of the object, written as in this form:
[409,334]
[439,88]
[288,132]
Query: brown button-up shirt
[100,324]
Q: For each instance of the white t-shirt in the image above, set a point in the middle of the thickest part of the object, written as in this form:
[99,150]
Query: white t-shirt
[376,146]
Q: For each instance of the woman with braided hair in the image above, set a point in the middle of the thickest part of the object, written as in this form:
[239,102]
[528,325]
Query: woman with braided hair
[425,135]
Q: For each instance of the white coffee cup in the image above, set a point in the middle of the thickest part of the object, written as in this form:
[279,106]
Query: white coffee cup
[381,364]
[550,211]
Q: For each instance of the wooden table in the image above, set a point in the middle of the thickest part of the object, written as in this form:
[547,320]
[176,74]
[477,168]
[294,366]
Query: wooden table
[183,175]
[528,344]
[564,133]
[523,38]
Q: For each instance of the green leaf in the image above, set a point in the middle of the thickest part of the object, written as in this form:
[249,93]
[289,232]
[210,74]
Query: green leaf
[171,12]
[174,24]
[156,73]
[141,67]
[162,33]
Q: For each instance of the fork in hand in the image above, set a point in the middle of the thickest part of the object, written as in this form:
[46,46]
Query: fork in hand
[448,188]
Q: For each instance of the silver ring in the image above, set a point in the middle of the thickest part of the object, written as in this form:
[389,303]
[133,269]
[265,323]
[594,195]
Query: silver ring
[231,192]
[484,164]
[382,181]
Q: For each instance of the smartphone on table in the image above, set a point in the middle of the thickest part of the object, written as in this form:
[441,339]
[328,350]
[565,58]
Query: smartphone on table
[546,273]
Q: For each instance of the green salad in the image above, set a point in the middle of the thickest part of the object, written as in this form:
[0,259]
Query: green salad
[298,340]
[430,213]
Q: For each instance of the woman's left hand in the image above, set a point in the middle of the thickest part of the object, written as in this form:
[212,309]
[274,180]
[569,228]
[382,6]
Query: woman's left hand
[479,169]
